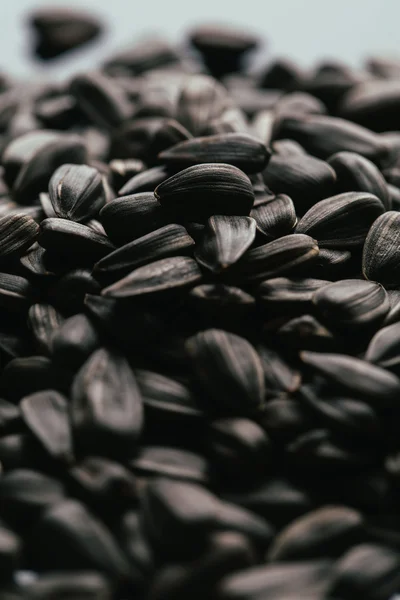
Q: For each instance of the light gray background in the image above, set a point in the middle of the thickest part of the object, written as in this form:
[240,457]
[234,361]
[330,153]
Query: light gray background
[306,30]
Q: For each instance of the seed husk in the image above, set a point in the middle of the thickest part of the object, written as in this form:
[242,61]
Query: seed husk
[16,292]
[357,173]
[201,99]
[104,421]
[342,221]
[89,585]
[384,348]
[76,192]
[201,191]
[225,240]
[74,341]
[17,234]
[356,377]
[167,274]
[161,243]
[74,240]
[275,218]
[174,463]
[380,253]
[146,181]
[288,293]
[229,370]
[352,303]
[44,321]
[46,414]
[238,149]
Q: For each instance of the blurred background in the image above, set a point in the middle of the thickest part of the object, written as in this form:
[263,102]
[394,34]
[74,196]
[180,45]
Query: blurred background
[305,30]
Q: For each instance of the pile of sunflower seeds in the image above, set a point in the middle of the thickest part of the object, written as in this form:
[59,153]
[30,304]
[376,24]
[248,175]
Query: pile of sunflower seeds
[199,325]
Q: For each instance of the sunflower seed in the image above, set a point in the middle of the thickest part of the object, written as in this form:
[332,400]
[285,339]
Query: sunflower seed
[275,218]
[74,341]
[342,221]
[44,321]
[46,414]
[173,463]
[146,181]
[229,370]
[76,584]
[17,233]
[164,275]
[236,149]
[352,303]
[103,420]
[145,55]
[221,300]
[73,240]
[16,292]
[29,374]
[380,254]
[123,170]
[161,243]
[354,376]
[289,293]
[302,177]
[201,99]
[224,241]
[357,173]
[373,104]
[384,348]
[76,192]
[10,551]
[203,190]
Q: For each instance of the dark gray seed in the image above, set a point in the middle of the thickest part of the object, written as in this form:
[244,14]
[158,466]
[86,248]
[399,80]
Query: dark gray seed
[68,536]
[73,239]
[342,221]
[74,341]
[131,217]
[106,409]
[306,579]
[34,261]
[229,370]
[323,136]
[46,414]
[174,463]
[238,149]
[302,177]
[10,418]
[69,291]
[167,274]
[96,226]
[144,138]
[101,99]
[34,175]
[201,99]
[252,100]
[29,374]
[287,148]
[146,181]
[288,293]
[332,261]
[103,485]
[323,533]
[225,240]
[168,241]
[16,292]
[46,205]
[306,333]
[123,170]
[17,234]
[86,585]
[281,74]
[275,218]
[357,173]
[384,348]
[368,571]
[277,258]
[221,300]
[352,303]
[354,376]
[380,260]
[238,445]
[279,375]
[76,192]
[236,518]
[228,552]
[222,48]
[145,55]
[59,112]
[298,103]
[284,419]
[60,30]
[232,120]
[25,494]
[262,126]
[10,553]
[344,416]
[44,321]
[374,104]
[200,191]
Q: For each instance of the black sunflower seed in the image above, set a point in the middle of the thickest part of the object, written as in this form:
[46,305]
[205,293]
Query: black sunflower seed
[286,293]
[357,173]
[373,104]
[146,181]
[275,218]
[302,177]
[167,274]
[342,221]
[76,192]
[200,191]
[74,341]
[73,240]
[44,321]
[225,240]
[16,293]
[46,414]
[380,253]
[123,170]
[17,234]
[279,375]
[167,241]
[10,553]
[240,150]
[76,584]
[174,463]
[384,348]
[104,421]
[201,99]
[29,374]
[352,303]
[229,370]
[354,376]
